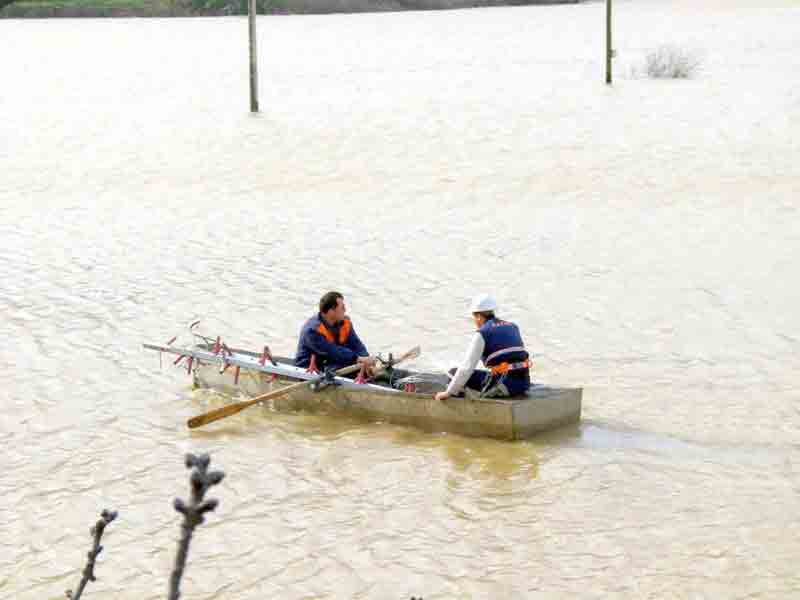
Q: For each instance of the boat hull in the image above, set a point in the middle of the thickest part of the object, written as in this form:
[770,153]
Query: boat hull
[543,408]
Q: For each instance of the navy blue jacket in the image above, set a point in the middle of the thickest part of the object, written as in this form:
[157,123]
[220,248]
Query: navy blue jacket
[503,343]
[336,347]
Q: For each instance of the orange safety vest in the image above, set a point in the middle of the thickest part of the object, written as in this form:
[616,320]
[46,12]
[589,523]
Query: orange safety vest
[344,332]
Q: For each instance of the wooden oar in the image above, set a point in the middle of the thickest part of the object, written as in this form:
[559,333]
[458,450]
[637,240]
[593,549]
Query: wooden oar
[232,409]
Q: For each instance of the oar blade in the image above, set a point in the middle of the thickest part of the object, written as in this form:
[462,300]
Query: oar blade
[232,409]
[216,415]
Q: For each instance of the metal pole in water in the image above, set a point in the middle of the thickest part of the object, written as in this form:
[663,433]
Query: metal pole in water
[251,12]
[609,50]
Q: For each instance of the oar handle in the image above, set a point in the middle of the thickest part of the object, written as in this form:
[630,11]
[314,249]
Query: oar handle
[413,353]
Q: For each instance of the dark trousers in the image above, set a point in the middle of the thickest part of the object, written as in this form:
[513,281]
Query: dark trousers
[512,384]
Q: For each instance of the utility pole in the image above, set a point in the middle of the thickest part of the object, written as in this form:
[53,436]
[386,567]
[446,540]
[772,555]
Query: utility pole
[609,48]
[251,13]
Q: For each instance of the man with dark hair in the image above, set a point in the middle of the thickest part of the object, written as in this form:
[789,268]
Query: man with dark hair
[499,344]
[330,337]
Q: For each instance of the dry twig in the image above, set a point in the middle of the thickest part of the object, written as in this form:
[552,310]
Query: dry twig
[88,571]
[201,480]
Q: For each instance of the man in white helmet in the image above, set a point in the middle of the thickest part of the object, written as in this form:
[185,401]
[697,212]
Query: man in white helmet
[499,345]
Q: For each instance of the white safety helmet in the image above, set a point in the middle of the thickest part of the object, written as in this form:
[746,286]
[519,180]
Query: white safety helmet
[483,303]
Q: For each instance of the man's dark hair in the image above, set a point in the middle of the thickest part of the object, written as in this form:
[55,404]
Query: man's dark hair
[329,301]
[487,314]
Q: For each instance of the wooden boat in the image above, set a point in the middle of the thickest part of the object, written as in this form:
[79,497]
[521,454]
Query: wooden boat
[236,372]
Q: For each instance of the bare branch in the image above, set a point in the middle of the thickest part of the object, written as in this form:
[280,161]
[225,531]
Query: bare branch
[97,532]
[201,480]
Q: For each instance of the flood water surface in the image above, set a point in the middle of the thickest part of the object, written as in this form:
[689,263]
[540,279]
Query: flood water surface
[644,236]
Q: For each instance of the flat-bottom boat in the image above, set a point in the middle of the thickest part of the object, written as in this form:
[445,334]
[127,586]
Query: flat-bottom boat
[400,397]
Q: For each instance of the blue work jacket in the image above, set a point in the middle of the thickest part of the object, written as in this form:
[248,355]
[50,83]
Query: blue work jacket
[335,346]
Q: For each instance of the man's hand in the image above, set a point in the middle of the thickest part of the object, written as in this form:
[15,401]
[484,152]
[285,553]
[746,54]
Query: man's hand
[441,396]
[369,362]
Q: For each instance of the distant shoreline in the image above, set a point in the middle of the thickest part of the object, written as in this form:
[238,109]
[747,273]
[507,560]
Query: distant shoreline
[39,9]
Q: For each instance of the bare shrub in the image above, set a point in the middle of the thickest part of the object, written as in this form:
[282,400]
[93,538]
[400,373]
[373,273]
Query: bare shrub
[671,62]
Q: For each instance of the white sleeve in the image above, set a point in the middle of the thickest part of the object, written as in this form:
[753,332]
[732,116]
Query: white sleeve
[474,353]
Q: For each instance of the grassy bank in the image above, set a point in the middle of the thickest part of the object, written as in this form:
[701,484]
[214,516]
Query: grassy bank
[182,8]
[92,8]
[114,8]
